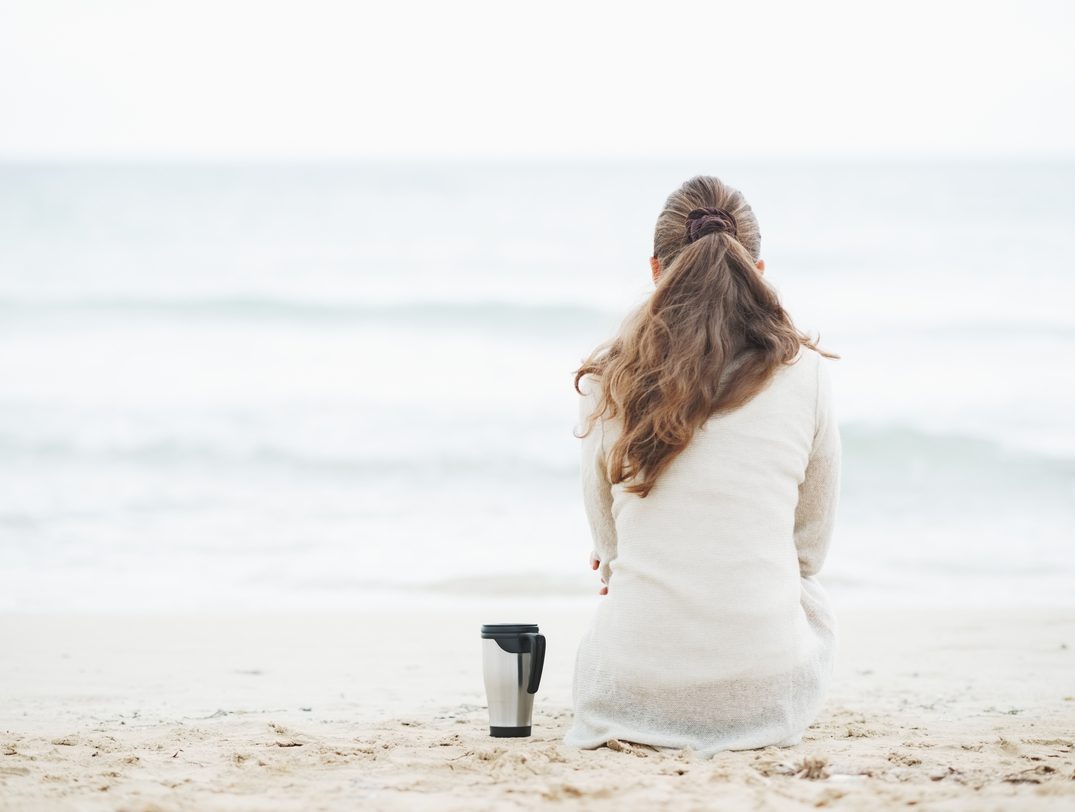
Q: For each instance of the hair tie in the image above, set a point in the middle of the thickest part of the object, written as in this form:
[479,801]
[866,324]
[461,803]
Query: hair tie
[709,221]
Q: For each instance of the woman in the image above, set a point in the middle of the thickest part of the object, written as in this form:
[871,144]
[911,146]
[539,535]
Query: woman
[710,474]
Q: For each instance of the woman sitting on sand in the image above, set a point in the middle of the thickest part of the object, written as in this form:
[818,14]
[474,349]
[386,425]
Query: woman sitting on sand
[711,464]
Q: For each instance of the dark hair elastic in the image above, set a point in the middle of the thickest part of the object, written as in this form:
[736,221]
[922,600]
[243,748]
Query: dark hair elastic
[709,221]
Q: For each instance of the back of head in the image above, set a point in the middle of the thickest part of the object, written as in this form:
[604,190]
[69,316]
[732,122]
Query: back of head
[706,342]
[670,236]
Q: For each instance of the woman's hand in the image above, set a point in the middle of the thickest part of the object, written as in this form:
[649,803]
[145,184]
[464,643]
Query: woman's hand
[595,564]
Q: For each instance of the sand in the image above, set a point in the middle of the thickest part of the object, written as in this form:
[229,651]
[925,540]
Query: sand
[946,710]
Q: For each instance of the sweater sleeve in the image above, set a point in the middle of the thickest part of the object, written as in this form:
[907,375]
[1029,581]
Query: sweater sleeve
[596,488]
[815,514]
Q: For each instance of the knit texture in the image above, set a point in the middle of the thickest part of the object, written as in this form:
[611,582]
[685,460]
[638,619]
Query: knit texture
[715,635]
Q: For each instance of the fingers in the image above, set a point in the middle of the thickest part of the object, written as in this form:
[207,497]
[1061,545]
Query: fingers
[603,591]
[594,562]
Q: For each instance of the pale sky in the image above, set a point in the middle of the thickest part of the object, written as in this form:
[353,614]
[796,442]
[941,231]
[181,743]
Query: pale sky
[419,80]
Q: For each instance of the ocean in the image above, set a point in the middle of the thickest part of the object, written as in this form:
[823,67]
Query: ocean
[251,388]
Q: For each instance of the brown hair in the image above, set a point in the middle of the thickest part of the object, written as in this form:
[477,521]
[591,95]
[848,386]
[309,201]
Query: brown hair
[670,368]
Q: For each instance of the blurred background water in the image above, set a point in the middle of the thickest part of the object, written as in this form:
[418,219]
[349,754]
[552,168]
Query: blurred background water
[349,387]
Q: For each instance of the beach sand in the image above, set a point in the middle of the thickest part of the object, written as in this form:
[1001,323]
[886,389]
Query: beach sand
[945,710]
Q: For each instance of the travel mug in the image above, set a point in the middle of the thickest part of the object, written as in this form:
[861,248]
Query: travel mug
[513,655]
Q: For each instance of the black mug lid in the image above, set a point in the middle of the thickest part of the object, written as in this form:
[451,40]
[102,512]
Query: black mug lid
[508,629]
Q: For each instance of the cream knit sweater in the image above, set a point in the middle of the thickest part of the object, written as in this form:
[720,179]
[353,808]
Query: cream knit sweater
[715,633]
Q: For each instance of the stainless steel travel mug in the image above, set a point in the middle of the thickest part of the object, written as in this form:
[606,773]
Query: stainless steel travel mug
[513,655]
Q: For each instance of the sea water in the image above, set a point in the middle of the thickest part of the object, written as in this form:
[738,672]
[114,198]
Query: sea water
[350,387]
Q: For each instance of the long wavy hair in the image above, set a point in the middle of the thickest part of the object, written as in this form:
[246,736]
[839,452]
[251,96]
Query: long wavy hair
[707,341]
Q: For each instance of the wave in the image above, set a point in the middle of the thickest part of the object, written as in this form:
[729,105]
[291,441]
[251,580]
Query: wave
[420,462]
[501,315]
[497,315]
[872,455]
[902,449]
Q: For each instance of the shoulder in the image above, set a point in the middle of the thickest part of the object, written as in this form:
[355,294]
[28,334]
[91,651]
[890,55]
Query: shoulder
[803,370]
[808,359]
[804,379]
[810,365]
[819,367]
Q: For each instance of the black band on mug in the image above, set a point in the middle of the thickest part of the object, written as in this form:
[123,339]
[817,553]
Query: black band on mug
[509,732]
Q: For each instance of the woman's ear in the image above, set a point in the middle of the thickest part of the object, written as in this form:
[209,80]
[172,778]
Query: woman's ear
[655,266]
[761,267]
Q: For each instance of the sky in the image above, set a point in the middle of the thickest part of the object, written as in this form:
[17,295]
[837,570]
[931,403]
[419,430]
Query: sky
[478,80]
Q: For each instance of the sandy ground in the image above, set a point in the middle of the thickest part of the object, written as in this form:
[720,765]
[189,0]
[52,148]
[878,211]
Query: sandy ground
[948,710]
